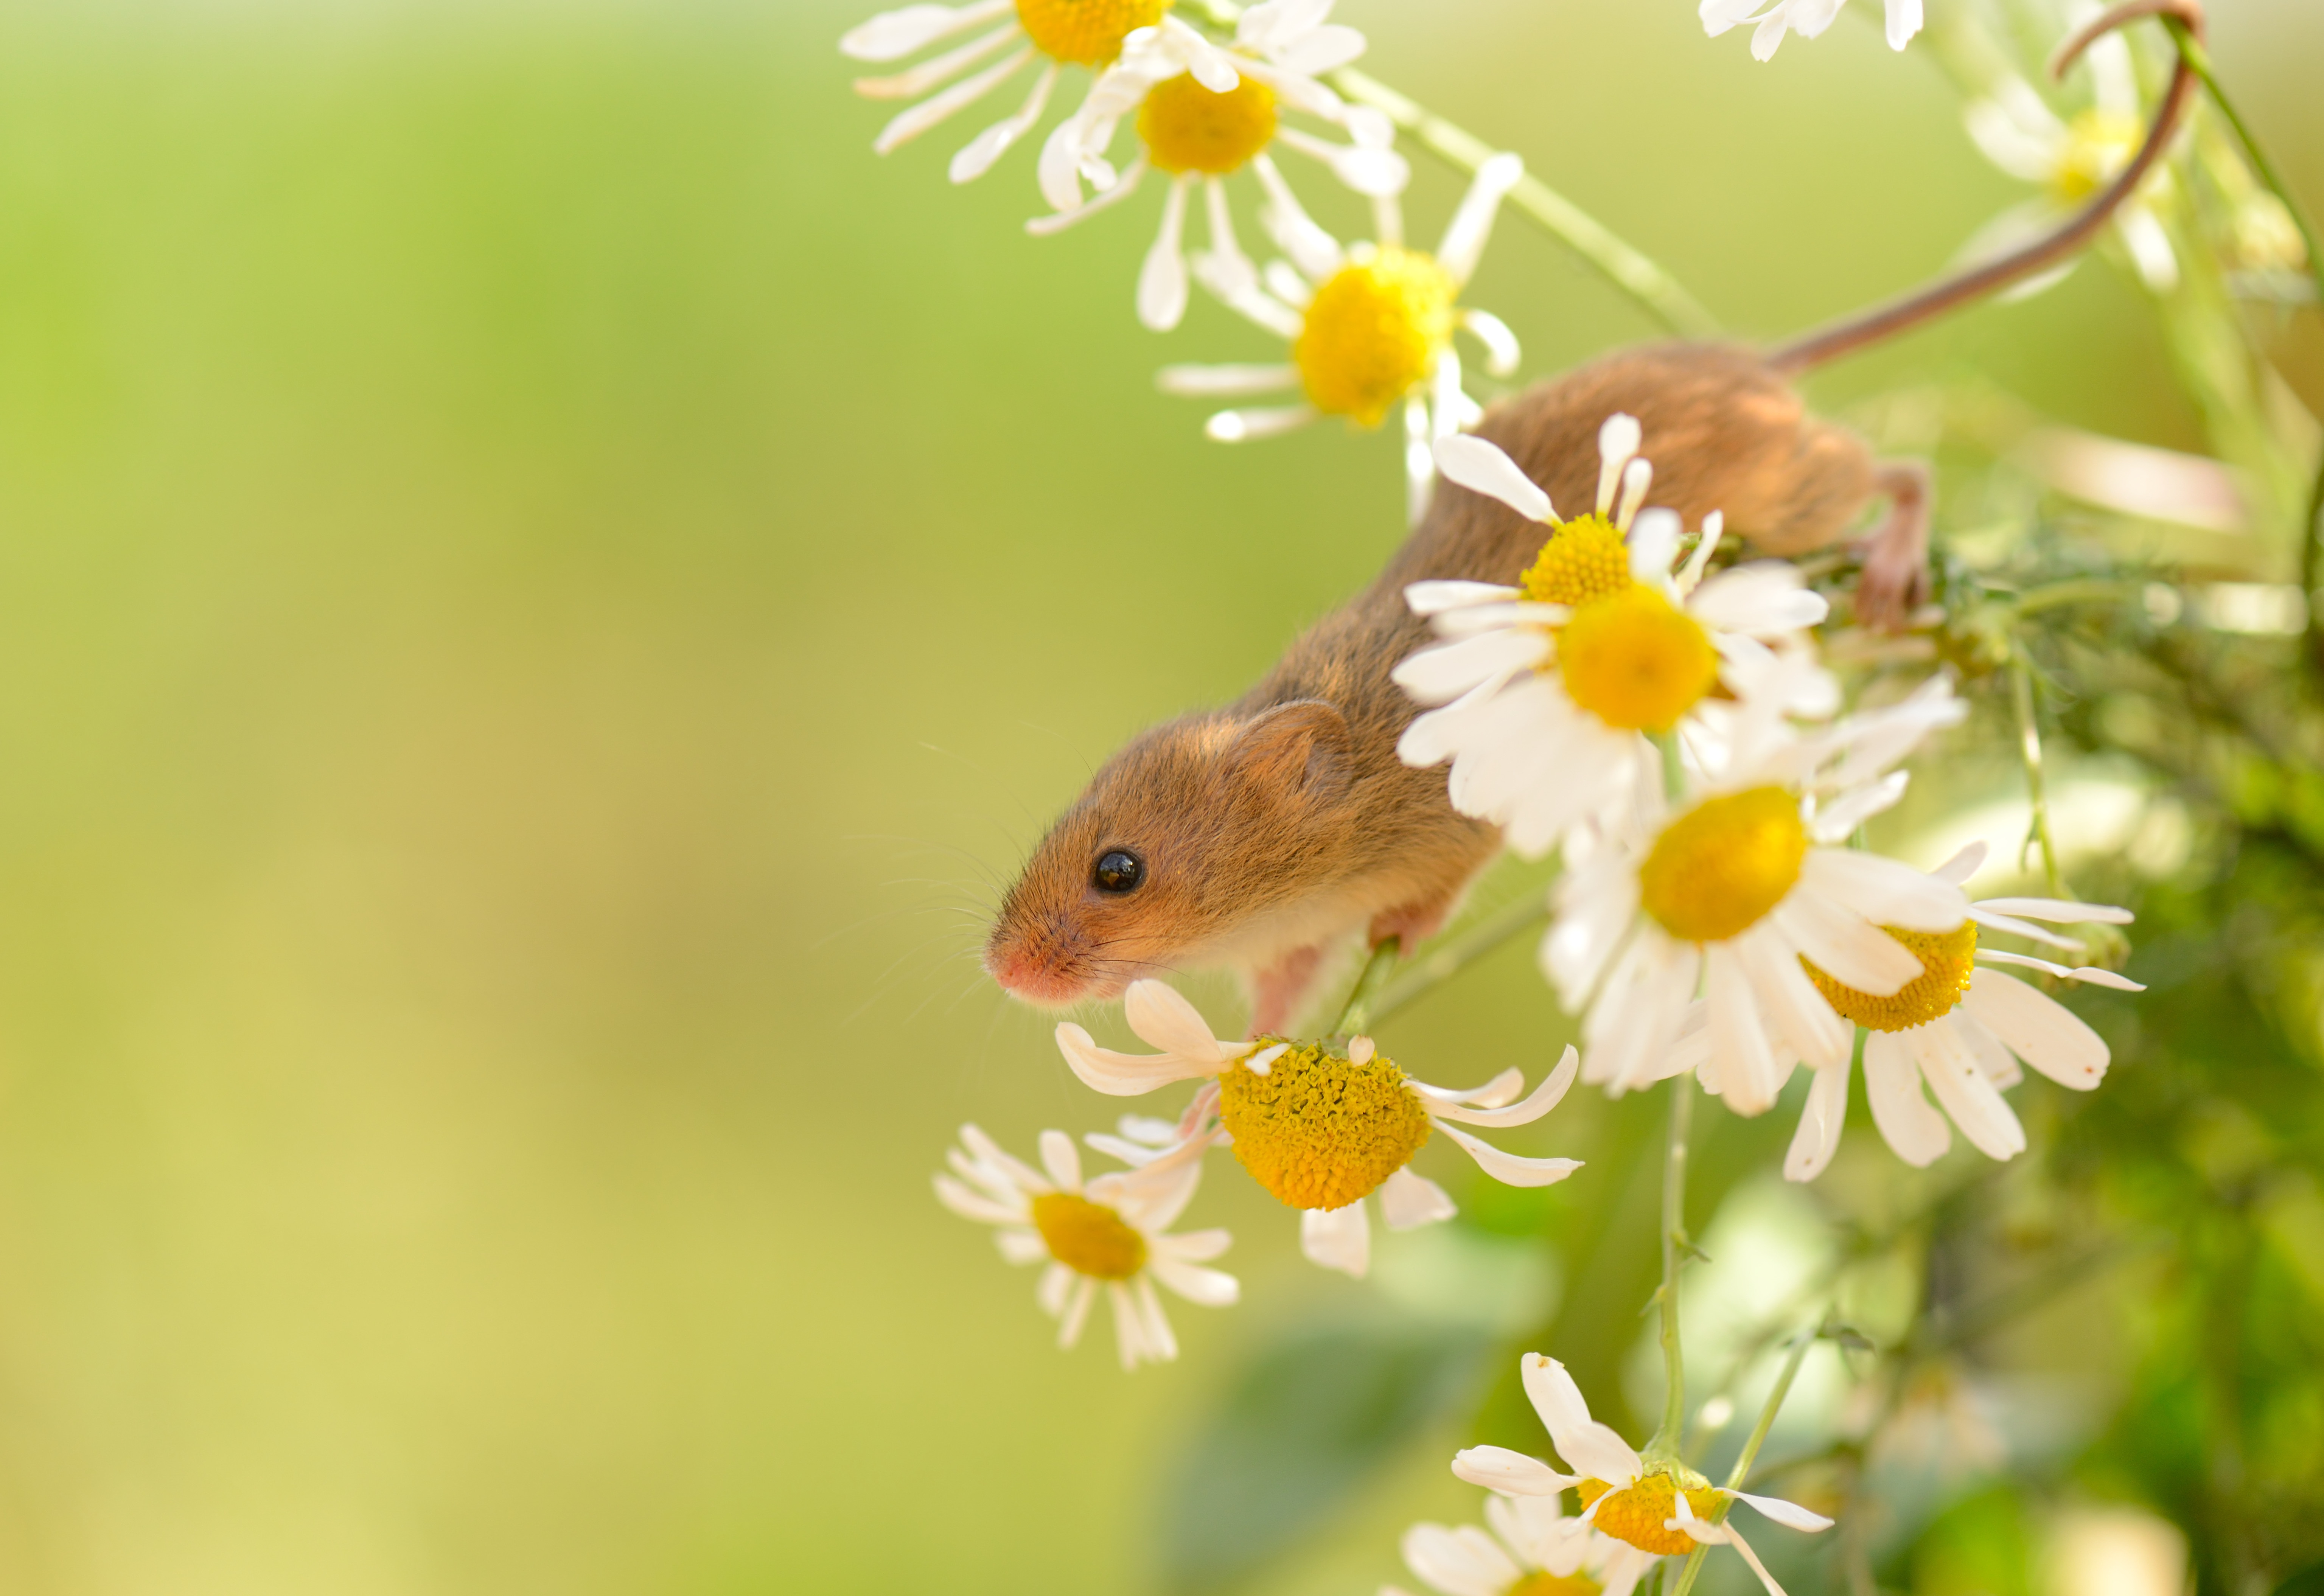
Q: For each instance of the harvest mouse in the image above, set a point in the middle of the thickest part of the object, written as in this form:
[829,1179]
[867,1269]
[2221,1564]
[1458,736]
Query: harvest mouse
[1260,836]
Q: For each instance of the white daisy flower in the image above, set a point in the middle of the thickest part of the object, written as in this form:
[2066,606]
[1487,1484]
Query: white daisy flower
[1198,135]
[2071,158]
[1962,1025]
[1548,687]
[1663,1507]
[1534,1550]
[1060,33]
[1369,326]
[1733,890]
[1807,18]
[1110,1233]
[1319,1126]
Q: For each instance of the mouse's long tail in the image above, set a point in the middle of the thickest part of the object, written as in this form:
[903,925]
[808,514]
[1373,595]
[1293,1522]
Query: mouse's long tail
[1886,321]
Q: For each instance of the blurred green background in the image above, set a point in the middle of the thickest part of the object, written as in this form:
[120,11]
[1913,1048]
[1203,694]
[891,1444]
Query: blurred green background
[542,589]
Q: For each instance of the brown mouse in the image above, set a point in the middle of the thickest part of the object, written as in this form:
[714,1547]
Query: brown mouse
[1260,836]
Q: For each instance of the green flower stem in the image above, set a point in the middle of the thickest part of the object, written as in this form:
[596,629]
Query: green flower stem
[1750,1454]
[1658,293]
[2311,541]
[1357,1017]
[2029,749]
[1440,964]
[1668,1439]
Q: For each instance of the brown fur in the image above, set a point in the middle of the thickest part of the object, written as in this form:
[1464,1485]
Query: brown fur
[1285,823]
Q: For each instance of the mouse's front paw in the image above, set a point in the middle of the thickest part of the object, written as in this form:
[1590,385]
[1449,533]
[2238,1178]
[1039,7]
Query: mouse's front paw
[1894,584]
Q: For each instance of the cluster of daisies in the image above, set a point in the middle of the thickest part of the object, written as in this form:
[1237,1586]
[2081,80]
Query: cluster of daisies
[1651,712]
[1368,327]
[1663,722]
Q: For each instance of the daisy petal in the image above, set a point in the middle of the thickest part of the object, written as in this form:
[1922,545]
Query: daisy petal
[1821,1121]
[1497,1468]
[2091,974]
[910,125]
[2038,1029]
[1225,382]
[970,1204]
[1123,1074]
[1409,1201]
[1912,1126]
[894,34]
[1481,467]
[1162,280]
[1846,947]
[1337,1237]
[1545,1097]
[1884,891]
[1464,1562]
[1442,672]
[1434,598]
[1581,1441]
[1790,1515]
[928,74]
[976,158]
[1973,1102]
[1161,1016]
[1060,1158]
[2059,911]
[1743,1547]
[1961,866]
[1508,1167]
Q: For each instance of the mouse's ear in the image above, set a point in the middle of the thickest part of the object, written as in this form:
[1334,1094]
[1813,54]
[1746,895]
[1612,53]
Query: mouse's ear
[1300,747]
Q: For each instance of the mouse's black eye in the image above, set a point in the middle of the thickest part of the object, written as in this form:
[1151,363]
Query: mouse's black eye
[1119,871]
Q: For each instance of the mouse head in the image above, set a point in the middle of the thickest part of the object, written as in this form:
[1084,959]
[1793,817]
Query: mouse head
[1183,842]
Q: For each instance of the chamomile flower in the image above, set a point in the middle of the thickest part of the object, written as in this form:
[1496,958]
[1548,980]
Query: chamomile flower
[1534,1550]
[1546,689]
[1962,1025]
[1197,136]
[1370,328]
[1663,1507]
[1109,1234]
[1807,18]
[2071,159]
[1059,33]
[1733,887]
[1320,1126]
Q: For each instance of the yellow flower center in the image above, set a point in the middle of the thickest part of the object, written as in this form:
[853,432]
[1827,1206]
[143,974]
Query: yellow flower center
[1319,1130]
[1946,964]
[1635,660]
[2099,145]
[1538,1583]
[1187,128]
[1373,332]
[1088,1238]
[1717,869]
[1638,1512]
[1583,559]
[1086,32]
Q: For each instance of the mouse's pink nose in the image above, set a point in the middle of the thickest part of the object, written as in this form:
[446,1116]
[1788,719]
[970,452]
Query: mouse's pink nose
[1032,976]
[1035,970]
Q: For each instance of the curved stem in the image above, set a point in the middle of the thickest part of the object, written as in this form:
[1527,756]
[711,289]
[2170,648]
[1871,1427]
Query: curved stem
[2029,749]
[1675,1247]
[2312,542]
[1442,963]
[1636,274]
[1750,1454]
[1357,1017]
